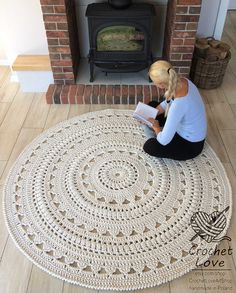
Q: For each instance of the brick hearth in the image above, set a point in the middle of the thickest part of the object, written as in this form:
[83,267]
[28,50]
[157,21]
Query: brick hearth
[102,94]
[62,36]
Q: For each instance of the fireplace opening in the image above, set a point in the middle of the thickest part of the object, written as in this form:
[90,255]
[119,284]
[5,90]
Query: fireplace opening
[120,40]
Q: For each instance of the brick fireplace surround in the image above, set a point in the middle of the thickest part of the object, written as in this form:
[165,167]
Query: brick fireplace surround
[62,36]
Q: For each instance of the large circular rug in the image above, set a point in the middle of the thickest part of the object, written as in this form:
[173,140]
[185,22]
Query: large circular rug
[86,204]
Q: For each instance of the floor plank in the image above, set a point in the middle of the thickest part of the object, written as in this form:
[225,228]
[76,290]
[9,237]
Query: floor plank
[8,140]
[56,114]
[99,107]
[165,288]
[78,110]
[189,282]
[226,39]
[229,86]
[37,113]
[213,137]
[3,229]
[19,108]
[233,107]
[231,231]
[2,167]
[24,138]
[8,92]
[224,116]
[70,288]
[15,270]
[3,110]
[229,139]
[214,96]
[4,74]
[41,281]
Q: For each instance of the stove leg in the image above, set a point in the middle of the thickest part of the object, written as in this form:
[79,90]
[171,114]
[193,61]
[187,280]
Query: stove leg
[150,63]
[91,72]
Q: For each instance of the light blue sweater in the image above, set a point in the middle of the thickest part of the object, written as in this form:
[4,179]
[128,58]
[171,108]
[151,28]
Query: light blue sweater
[186,116]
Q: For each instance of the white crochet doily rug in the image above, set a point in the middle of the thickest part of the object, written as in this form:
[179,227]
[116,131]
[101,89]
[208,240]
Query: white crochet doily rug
[86,204]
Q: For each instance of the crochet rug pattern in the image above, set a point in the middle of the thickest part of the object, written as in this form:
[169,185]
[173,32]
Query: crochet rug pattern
[85,203]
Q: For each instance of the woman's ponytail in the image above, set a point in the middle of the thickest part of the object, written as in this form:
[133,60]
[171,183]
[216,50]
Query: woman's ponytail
[170,93]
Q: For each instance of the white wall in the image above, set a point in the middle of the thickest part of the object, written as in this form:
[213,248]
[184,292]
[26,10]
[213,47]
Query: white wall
[22,28]
[209,12]
[3,55]
[232,4]
[220,22]
[212,18]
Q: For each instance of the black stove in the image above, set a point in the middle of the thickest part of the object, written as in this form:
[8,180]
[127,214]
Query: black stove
[120,39]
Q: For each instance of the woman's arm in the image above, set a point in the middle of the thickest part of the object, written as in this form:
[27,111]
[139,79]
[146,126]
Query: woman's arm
[175,115]
[162,107]
[160,110]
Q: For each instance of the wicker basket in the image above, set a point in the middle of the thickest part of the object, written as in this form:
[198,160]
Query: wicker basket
[208,74]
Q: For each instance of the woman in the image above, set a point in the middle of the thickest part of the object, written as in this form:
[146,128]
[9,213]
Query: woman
[182,115]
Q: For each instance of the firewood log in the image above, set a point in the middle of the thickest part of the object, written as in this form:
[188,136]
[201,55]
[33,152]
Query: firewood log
[211,49]
[202,41]
[201,49]
[213,54]
[214,43]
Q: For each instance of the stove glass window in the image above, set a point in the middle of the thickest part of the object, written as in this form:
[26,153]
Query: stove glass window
[120,38]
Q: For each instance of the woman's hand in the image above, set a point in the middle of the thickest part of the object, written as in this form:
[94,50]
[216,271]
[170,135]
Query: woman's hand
[155,125]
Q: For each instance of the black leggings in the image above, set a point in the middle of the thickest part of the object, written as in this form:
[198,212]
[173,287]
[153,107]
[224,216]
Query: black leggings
[178,149]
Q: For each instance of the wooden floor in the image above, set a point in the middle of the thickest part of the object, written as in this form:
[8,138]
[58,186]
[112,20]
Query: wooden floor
[24,116]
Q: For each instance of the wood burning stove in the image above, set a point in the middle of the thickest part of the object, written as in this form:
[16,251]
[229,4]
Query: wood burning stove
[120,40]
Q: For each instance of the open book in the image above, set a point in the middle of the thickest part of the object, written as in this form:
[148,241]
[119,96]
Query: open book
[143,112]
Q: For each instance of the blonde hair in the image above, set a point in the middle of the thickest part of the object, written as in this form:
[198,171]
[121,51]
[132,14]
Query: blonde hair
[162,72]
